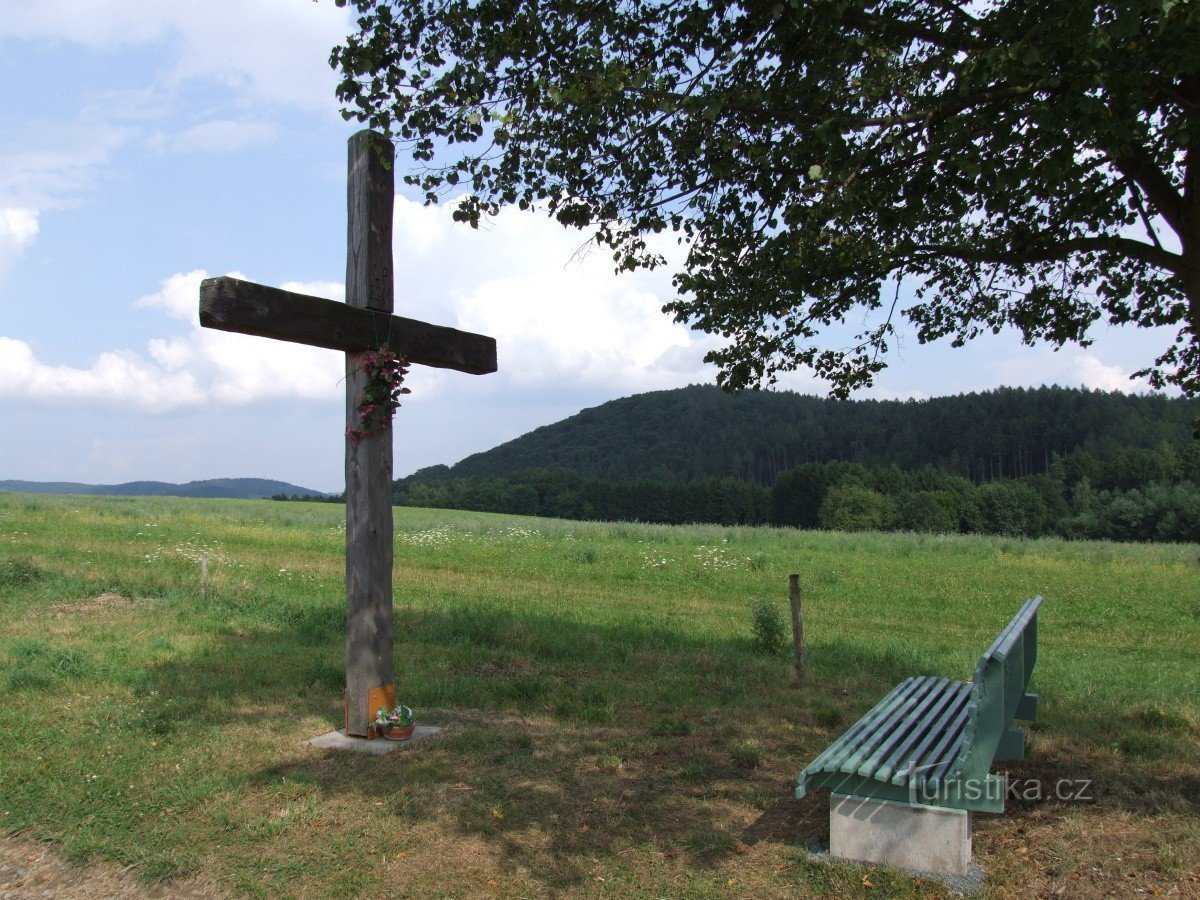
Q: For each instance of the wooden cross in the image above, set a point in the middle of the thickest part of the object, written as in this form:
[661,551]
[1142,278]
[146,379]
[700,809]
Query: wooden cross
[362,324]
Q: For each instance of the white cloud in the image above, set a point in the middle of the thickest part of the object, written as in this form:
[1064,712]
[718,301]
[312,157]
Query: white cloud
[18,230]
[247,369]
[1015,364]
[418,228]
[117,378]
[1090,372]
[269,50]
[267,53]
[238,368]
[330,290]
[199,367]
[20,226]
[179,296]
[574,325]
[92,22]
[45,166]
[559,315]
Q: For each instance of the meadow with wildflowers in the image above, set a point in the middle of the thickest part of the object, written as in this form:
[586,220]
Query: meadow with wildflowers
[610,727]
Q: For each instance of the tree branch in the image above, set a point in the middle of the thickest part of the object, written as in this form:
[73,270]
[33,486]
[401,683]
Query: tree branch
[957,10]
[912,31]
[949,104]
[1138,167]
[1147,253]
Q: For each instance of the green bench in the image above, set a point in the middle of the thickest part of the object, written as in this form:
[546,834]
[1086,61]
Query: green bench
[929,746]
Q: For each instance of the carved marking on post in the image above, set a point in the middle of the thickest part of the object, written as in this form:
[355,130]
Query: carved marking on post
[363,323]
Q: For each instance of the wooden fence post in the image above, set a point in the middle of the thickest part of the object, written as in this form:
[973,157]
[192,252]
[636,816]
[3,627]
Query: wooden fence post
[797,626]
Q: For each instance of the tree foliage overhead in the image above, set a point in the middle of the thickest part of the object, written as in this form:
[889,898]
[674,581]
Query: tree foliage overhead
[1034,165]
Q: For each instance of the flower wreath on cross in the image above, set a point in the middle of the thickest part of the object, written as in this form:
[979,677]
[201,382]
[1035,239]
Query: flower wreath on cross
[385,373]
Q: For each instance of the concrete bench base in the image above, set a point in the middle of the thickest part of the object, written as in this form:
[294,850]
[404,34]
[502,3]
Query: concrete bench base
[908,837]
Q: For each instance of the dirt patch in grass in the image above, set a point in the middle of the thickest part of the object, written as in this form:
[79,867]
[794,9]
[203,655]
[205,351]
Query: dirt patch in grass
[101,603]
[31,869]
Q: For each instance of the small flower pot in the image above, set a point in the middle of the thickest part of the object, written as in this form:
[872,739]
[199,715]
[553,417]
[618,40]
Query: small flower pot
[399,734]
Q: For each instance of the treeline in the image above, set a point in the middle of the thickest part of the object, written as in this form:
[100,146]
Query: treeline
[567,495]
[1136,495]
[701,432]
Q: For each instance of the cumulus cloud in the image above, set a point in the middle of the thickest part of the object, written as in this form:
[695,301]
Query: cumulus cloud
[117,378]
[200,366]
[238,368]
[562,317]
[558,311]
[18,229]
[1090,372]
[1071,367]
[178,296]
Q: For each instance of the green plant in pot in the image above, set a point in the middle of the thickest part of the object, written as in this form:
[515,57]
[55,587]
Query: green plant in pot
[395,724]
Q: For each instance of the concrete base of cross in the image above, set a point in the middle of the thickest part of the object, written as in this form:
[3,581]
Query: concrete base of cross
[907,837]
[337,740]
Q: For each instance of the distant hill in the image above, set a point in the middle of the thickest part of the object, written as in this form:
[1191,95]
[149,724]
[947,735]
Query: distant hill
[235,488]
[702,432]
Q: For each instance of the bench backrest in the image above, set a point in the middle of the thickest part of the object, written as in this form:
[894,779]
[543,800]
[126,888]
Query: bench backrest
[1001,677]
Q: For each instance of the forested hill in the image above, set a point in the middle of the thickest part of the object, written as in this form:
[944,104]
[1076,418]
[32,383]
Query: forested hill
[701,432]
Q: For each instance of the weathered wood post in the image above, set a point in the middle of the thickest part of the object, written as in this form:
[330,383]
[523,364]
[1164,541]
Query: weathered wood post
[361,325]
[369,676]
[800,660]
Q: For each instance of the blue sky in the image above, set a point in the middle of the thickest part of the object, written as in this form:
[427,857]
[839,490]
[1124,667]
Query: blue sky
[145,145]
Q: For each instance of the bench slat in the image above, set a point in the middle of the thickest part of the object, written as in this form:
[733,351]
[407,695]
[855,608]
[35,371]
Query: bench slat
[895,717]
[860,730]
[913,721]
[900,765]
[947,750]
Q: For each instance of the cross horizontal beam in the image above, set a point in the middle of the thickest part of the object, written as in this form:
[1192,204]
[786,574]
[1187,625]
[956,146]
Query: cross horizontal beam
[229,304]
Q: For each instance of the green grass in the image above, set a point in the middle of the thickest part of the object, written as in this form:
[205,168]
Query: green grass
[611,728]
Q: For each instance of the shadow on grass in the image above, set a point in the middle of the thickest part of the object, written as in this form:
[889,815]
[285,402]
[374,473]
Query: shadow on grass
[500,658]
[566,740]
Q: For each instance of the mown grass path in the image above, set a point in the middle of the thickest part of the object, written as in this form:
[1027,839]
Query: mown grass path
[609,729]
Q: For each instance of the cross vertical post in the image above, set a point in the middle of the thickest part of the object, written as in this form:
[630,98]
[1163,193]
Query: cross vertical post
[358,327]
[369,285]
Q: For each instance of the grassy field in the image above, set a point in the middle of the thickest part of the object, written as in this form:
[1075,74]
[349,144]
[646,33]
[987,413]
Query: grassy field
[609,728]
